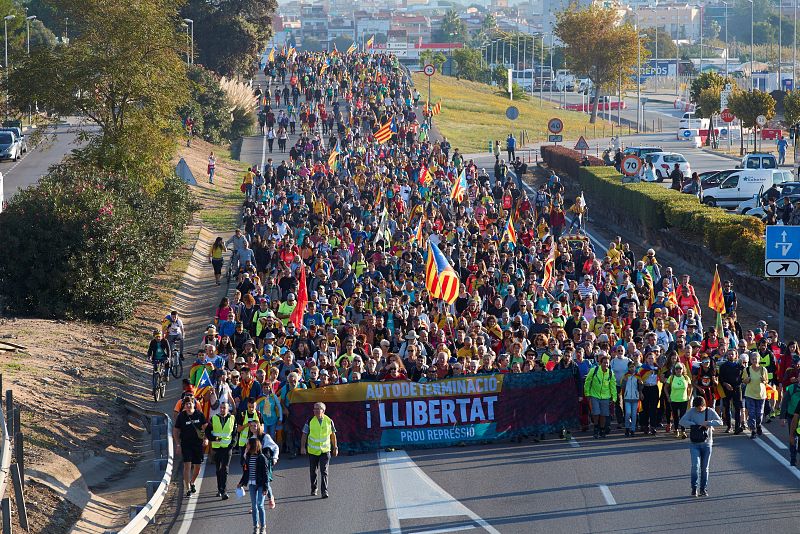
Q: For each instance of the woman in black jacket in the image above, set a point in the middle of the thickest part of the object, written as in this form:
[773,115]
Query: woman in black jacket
[255,476]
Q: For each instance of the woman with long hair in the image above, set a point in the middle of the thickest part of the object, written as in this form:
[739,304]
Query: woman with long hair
[255,475]
[215,257]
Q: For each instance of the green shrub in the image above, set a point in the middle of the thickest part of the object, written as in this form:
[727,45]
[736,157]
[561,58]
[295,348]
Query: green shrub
[208,106]
[84,243]
[567,160]
[653,207]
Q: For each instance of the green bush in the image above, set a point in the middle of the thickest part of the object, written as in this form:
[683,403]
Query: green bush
[567,160]
[208,106]
[84,243]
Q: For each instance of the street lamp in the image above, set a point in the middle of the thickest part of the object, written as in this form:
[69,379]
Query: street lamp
[189,58]
[727,50]
[701,38]
[794,48]
[638,73]
[5,38]
[752,15]
[28,28]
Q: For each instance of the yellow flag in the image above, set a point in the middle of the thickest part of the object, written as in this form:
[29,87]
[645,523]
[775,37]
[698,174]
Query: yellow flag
[272,54]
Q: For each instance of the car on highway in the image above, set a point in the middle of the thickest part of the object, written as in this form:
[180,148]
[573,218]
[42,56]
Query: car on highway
[20,135]
[642,151]
[585,85]
[664,162]
[760,199]
[759,160]
[10,146]
[759,211]
[743,185]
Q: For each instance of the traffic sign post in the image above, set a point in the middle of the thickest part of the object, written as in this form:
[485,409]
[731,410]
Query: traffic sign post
[582,145]
[631,165]
[726,115]
[555,125]
[555,138]
[512,113]
[782,260]
[429,71]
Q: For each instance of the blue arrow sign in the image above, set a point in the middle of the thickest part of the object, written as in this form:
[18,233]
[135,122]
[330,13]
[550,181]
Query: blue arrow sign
[783,243]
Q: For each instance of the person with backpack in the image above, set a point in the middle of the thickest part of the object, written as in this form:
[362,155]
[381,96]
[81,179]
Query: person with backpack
[319,439]
[755,378]
[730,377]
[700,419]
[631,391]
[600,387]
[791,399]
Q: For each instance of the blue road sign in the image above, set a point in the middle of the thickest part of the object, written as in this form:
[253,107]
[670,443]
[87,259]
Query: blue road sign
[783,243]
[687,133]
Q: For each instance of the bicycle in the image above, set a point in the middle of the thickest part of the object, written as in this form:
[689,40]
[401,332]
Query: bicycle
[160,379]
[233,266]
[175,363]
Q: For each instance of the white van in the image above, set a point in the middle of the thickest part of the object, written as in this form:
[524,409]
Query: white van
[743,185]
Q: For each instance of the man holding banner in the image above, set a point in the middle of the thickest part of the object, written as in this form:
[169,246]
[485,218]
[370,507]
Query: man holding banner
[319,439]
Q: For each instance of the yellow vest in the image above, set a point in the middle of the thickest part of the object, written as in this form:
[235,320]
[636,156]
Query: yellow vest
[246,430]
[319,435]
[223,432]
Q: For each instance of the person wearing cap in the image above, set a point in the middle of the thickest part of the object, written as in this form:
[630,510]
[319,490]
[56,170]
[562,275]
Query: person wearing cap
[174,330]
[189,437]
[319,440]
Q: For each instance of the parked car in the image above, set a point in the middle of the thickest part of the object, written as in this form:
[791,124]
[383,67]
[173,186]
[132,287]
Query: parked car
[711,179]
[759,160]
[642,151]
[743,185]
[10,147]
[20,135]
[759,210]
[664,162]
[760,198]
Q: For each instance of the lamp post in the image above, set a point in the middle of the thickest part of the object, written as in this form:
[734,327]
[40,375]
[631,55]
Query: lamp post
[677,54]
[727,50]
[190,55]
[701,38]
[28,28]
[794,48]
[638,73]
[541,73]
[752,15]
[780,43]
[5,38]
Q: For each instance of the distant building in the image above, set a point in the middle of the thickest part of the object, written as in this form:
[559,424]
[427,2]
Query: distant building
[680,21]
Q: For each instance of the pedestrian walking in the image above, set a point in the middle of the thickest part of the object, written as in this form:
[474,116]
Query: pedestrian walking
[189,434]
[220,434]
[212,167]
[700,420]
[600,387]
[755,378]
[256,470]
[319,439]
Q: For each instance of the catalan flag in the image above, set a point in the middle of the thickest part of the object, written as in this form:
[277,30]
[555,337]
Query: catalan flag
[332,159]
[417,237]
[441,279]
[511,233]
[323,68]
[291,52]
[352,48]
[370,42]
[459,187]
[384,133]
[715,299]
[549,267]
[437,109]
[271,57]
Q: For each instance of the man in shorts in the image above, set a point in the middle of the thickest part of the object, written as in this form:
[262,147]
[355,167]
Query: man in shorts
[600,387]
[189,435]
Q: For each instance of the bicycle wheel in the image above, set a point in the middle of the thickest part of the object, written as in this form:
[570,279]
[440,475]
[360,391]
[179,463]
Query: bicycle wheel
[157,390]
[156,379]
[176,369]
[164,385]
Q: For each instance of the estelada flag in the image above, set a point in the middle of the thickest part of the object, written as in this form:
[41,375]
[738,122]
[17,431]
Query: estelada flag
[417,237]
[459,187]
[441,279]
[511,233]
[302,299]
[424,176]
[715,299]
[352,48]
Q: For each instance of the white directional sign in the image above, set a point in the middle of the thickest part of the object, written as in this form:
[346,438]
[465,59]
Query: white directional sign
[782,251]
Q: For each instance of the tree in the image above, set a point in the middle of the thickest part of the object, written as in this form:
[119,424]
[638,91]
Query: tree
[791,108]
[739,20]
[230,33]
[708,103]
[705,81]
[437,59]
[468,64]
[748,105]
[123,72]
[597,46]
[666,46]
[452,28]
[489,24]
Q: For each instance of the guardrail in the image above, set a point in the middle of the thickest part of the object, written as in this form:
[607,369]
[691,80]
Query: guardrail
[5,454]
[161,435]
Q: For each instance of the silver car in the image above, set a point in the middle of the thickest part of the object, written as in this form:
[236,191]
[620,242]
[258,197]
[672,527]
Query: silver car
[20,135]
[10,147]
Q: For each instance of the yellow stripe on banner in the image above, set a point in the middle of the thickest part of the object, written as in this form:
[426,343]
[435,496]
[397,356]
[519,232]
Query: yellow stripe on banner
[362,391]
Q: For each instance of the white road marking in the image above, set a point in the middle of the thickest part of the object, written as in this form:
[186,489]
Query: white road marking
[774,439]
[573,443]
[449,529]
[428,499]
[606,495]
[781,460]
[188,516]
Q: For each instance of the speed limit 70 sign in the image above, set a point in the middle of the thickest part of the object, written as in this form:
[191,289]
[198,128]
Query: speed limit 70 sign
[631,165]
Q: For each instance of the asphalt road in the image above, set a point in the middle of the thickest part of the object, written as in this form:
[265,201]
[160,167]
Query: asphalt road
[61,140]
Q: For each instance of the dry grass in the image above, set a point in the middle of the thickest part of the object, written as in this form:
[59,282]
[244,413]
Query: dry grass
[239,94]
[473,115]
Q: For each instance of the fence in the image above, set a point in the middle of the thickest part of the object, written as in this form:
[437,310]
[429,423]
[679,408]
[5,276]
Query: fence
[12,435]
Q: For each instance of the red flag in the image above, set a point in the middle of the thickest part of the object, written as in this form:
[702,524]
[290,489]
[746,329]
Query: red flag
[302,300]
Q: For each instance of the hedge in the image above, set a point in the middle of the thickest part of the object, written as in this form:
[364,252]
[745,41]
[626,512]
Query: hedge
[84,243]
[567,160]
[654,207]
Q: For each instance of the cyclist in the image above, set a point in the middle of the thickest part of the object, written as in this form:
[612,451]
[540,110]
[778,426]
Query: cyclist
[158,351]
[174,330]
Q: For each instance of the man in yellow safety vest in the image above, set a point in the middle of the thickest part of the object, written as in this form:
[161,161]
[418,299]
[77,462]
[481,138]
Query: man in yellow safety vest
[319,438]
[242,425]
[220,434]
